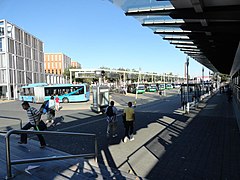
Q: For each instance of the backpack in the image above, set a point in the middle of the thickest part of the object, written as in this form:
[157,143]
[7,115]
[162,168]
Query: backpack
[45,107]
[110,111]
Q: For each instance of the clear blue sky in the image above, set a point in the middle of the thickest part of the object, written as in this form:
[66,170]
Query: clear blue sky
[96,33]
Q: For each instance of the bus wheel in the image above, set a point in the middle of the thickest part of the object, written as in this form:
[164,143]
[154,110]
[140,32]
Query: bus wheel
[65,100]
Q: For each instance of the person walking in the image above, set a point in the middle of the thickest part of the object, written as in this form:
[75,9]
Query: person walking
[33,118]
[57,103]
[111,112]
[129,118]
[51,110]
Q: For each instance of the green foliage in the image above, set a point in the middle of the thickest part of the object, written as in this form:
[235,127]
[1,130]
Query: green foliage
[121,69]
[67,73]
[104,68]
[84,80]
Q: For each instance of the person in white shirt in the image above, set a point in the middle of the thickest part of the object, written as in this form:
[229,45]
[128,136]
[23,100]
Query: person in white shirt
[51,110]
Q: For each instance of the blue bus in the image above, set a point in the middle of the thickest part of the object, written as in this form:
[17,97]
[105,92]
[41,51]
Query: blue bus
[40,92]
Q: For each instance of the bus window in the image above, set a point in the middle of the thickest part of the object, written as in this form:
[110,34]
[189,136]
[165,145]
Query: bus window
[87,88]
[48,91]
[81,90]
[28,91]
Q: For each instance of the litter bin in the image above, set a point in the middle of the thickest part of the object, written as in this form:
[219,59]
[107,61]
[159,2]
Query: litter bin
[100,98]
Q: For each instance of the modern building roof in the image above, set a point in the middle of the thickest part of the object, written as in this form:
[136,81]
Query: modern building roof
[206,30]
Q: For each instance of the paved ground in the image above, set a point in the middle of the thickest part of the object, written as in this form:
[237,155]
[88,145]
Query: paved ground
[12,113]
[169,144]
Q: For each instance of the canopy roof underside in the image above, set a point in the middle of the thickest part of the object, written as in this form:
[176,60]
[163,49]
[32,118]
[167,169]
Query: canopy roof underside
[206,30]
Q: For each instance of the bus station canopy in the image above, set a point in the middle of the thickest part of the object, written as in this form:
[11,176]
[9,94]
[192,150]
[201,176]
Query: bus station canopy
[205,30]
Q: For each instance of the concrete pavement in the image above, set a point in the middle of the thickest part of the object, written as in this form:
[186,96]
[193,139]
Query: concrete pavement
[169,144]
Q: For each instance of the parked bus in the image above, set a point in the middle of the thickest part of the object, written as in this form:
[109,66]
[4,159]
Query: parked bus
[169,86]
[132,88]
[161,87]
[41,92]
[151,88]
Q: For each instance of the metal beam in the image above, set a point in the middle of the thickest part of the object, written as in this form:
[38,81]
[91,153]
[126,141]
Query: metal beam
[221,13]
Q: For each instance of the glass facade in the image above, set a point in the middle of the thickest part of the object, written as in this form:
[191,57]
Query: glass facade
[21,59]
[3,63]
[1,44]
[1,31]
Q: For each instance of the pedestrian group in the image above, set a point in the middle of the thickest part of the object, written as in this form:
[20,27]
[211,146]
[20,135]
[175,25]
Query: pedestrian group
[128,121]
[35,121]
[50,106]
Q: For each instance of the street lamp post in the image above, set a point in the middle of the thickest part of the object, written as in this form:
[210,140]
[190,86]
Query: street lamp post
[202,80]
[135,103]
[187,64]
[102,76]
[164,90]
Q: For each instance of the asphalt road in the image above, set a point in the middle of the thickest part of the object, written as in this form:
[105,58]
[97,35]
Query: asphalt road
[11,112]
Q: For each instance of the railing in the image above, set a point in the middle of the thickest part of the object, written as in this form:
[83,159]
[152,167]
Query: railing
[17,119]
[23,161]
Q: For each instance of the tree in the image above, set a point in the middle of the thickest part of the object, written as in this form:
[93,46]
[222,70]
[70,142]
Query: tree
[121,69]
[134,70]
[66,73]
[104,68]
[85,80]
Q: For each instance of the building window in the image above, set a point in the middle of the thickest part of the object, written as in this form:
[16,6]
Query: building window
[3,62]
[1,46]
[3,76]
[11,46]
[1,31]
